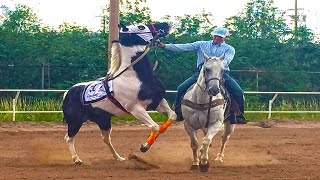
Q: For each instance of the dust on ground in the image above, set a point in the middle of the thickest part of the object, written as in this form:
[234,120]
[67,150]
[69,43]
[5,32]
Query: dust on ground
[271,149]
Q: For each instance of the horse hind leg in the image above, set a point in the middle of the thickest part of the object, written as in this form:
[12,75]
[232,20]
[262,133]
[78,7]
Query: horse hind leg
[103,119]
[70,139]
[228,129]
[107,139]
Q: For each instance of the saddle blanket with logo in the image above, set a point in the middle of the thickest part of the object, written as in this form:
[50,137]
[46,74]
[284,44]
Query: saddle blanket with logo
[95,91]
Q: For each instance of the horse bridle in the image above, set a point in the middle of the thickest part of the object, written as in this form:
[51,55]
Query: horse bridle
[206,81]
[155,34]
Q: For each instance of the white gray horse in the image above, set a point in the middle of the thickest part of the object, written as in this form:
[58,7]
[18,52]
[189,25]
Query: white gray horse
[134,89]
[203,107]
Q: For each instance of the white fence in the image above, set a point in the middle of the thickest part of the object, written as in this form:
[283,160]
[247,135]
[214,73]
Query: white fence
[269,111]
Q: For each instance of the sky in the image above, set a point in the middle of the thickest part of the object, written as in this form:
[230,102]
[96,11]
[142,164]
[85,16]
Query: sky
[86,12]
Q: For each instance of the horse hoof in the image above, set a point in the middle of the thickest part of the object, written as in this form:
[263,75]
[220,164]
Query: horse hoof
[78,163]
[219,160]
[204,167]
[120,158]
[194,167]
[145,147]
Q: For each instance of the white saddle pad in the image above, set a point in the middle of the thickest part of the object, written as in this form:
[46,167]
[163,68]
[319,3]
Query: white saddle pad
[95,91]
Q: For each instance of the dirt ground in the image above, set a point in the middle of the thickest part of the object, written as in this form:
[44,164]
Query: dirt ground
[266,150]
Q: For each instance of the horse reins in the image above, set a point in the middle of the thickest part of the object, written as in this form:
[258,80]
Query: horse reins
[133,63]
[210,104]
[110,96]
[208,115]
[152,43]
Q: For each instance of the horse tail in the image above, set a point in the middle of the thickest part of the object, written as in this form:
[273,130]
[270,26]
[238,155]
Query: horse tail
[63,98]
[64,95]
[115,60]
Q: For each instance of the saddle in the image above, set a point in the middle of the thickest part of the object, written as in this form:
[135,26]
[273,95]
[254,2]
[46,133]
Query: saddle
[95,91]
[98,90]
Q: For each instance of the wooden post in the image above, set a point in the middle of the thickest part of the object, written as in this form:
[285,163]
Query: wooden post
[295,17]
[113,25]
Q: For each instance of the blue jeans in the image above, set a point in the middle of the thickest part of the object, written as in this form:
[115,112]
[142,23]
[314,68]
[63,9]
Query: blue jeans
[230,84]
[182,89]
[234,89]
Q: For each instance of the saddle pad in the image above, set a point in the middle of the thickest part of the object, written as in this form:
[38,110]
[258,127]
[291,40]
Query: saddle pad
[95,91]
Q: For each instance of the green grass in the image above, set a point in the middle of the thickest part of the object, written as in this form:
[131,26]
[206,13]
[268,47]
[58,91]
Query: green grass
[50,104]
[37,104]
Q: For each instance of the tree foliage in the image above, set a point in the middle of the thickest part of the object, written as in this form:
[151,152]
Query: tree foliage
[277,57]
[259,20]
[134,12]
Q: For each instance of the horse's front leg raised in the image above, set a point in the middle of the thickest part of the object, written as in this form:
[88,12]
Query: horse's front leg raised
[140,113]
[164,108]
[206,141]
[107,139]
[228,129]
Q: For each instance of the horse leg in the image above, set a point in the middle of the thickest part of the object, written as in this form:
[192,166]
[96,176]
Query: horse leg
[194,144]
[107,139]
[140,113]
[206,141]
[70,139]
[228,129]
[103,119]
[164,108]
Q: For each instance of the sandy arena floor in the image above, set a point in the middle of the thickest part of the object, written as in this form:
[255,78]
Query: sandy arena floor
[284,150]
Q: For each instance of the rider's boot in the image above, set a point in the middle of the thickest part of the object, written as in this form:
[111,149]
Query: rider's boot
[240,119]
[177,110]
[237,119]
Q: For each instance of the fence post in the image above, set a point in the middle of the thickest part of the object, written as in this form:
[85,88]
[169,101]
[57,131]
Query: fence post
[270,105]
[14,103]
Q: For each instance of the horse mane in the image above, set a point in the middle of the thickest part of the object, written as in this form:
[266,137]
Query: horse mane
[115,60]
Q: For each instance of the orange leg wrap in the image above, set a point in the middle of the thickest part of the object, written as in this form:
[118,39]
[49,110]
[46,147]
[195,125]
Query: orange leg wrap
[152,138]
[165,125]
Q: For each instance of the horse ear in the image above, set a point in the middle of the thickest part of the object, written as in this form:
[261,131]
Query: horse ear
[123,27]
[221,58]
[206,57]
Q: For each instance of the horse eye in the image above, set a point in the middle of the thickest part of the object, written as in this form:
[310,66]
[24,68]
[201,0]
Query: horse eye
[206,70]
[141,27]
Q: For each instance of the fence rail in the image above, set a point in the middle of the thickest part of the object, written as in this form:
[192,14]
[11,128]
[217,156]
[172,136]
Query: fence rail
[269,111]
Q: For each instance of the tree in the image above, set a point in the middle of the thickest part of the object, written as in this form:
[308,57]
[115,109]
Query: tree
[22,19]
[193,25]
[134,12]
[259,20]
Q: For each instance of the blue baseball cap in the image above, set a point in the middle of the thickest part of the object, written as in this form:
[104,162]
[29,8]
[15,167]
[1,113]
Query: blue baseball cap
[220,31]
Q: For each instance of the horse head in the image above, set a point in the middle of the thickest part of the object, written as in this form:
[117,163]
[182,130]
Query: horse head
[132,35]
[142,34]
[212,74]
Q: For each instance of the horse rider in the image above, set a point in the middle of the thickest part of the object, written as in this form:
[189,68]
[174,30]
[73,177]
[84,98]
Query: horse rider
[215,47]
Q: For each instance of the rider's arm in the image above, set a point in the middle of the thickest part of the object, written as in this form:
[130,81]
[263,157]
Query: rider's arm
[182,47]
[228,56]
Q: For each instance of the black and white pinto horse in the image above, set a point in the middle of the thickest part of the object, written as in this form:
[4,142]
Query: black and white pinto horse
[203,107]
[129,88]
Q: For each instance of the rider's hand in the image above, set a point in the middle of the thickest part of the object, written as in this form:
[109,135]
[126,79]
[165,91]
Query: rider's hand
[161,45]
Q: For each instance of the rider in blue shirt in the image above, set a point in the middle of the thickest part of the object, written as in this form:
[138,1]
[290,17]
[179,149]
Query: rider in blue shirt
[215,47]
